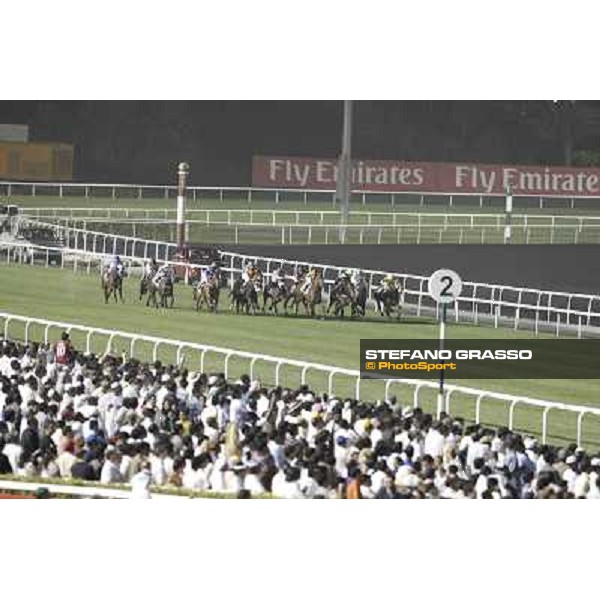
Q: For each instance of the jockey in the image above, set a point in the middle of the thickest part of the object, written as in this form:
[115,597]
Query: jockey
[208,273]
[115,265]
[149,268]
[162,273]
[277,278]
[388,283]
[298,273]
[356,277]
[344,278]
[308,279]
[249,272]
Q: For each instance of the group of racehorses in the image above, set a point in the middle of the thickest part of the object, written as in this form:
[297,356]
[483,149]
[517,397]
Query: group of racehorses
[160,293]
[261,293]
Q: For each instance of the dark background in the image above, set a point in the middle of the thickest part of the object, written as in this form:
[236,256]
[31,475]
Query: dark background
[142,141]
[559,267]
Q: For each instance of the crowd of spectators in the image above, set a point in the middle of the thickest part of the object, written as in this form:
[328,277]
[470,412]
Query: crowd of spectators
[69,415]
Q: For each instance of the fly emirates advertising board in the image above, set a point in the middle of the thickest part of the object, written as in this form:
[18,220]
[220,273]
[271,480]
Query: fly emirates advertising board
[398,176]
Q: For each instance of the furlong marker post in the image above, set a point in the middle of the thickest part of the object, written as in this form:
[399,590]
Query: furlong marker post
[182,172]
[445,286]
[508,216]
[440,402]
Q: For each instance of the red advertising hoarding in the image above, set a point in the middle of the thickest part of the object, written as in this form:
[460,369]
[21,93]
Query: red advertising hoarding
[449,178]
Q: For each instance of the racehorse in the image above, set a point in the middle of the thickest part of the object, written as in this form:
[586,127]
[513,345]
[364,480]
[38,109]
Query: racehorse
[313,295]
[112,284]
[164,290]
[275,293]
[308,297]
[359,305]
[235,294]
[295,296]
[388,302]
[145,283]
[342,295]
[207,293]
[244,295]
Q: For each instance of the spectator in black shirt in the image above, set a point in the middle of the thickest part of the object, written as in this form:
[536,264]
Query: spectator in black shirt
[30,439]
[82,469]
[5,468]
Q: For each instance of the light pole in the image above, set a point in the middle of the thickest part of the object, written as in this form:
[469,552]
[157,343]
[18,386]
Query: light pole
[564,114]
[182,172]
[344,171]
[508,215]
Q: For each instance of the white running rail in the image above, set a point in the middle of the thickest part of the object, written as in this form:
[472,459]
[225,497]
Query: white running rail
[116,191]
[501,305]
[302,369]
[87,491]
[233,216]
[417,230]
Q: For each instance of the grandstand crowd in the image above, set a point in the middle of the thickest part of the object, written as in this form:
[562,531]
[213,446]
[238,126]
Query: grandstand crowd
[74,416]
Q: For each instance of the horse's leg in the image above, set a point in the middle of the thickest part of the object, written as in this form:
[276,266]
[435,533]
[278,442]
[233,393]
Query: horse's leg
[330,303]
[306,304]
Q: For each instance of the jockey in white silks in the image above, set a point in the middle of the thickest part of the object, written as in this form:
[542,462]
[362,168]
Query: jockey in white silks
[149,269]
[307,281]
[277,278]
[208,273]
[164,272]
[249,272]
[356,277]
[115,267]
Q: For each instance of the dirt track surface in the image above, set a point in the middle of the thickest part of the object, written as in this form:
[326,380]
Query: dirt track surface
[557,267]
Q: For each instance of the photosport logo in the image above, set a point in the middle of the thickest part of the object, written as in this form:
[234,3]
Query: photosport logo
[480,359]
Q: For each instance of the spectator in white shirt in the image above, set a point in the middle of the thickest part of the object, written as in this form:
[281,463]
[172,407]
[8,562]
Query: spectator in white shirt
[110,469]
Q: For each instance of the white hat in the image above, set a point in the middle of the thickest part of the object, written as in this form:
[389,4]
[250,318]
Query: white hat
[529,443]
[165,377]
[212,380]
[571,460]
[595,461]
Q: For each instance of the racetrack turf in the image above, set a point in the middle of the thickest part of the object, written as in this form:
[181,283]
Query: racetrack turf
[77,298]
